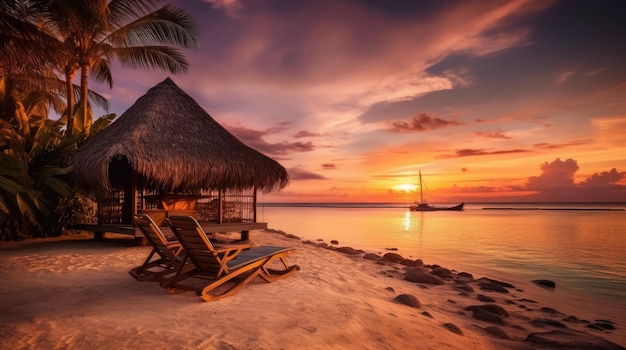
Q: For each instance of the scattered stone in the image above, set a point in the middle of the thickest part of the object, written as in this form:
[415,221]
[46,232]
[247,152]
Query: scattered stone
[492,308]
[391,248]
[322,245]
[465,288]
[510,302]
[492,281]
[497,332]
[427,314]
[549,310]
[522,306]
[545,283]
[409,262]
[603,326]
[347,250]
[595,327]
[442,272]
[309,242]
[572,319]
[465,275]
[419,262]
[481,314]
[492,287]
[408,299]
[421,276]
[451,301]
[527,300]
[390,289]
[393,257]
[334,241]
[518,327]
[569,339]
[542,322]
[605,321]
[320,240]
[371,256]
[485,298]
[453,328]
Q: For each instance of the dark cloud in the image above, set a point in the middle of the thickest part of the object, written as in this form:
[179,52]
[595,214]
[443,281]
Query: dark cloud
[604,178]
[254,139]
[556,175]
[556,183]
[421,122]
[301,174]
[329,166]
[468,152]
[545,145]
[493,135]
[304,133]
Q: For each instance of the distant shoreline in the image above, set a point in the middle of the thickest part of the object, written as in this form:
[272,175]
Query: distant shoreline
[583,206]
[585,209]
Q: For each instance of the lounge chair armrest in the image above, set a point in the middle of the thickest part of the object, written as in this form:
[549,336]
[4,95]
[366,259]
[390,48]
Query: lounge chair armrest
[231,246]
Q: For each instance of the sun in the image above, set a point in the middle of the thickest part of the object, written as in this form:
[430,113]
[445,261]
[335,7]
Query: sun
[406,187]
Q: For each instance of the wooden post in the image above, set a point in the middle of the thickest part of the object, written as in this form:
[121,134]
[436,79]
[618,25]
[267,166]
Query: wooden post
[129,208]
[220,208]
[254,204]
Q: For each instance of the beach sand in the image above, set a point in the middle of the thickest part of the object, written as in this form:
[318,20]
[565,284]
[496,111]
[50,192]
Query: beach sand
[77,294]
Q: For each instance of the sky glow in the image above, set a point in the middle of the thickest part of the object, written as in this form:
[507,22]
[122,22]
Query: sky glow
[492,101]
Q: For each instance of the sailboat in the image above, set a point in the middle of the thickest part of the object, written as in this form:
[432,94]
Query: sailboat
[423,206]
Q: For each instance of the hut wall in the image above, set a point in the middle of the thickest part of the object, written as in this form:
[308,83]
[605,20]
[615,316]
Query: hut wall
[227,206]
[234,206]
[110,209]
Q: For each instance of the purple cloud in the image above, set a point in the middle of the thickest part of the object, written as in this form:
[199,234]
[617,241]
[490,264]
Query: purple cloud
[301,174]
[304,133]
[421,122]
[467,152]
[255,139]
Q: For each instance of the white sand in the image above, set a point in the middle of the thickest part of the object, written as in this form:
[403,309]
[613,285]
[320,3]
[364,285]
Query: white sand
[77,294]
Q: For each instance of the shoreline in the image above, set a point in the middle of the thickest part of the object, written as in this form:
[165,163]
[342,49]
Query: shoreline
[77,292]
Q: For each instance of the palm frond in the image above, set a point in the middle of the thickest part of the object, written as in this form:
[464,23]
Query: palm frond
[164,57]
[168,25]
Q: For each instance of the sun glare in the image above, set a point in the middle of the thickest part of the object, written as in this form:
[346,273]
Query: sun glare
[406,188]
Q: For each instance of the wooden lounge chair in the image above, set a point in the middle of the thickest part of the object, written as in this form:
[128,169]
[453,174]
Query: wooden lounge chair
[168,252]
[223,269]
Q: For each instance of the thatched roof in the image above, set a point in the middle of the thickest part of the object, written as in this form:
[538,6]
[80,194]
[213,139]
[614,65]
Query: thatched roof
[174,145]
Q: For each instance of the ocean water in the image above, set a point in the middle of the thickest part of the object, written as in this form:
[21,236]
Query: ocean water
[582,247]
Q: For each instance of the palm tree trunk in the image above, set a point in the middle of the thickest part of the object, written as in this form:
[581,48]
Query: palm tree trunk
[70,73]
[84,90]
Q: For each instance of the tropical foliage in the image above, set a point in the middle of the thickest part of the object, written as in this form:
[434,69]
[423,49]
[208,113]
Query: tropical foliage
[44,44]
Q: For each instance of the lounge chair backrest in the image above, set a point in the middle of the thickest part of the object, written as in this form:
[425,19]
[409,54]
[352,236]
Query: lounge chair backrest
[196,243]
[155,236]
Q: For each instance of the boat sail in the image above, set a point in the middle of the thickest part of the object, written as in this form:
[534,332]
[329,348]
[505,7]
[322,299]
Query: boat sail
[423,206]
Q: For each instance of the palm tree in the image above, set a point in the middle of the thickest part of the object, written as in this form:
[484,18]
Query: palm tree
[32,59]
[135,32]
[36,198]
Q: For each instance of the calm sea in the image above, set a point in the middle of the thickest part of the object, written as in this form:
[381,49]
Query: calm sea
[579,246]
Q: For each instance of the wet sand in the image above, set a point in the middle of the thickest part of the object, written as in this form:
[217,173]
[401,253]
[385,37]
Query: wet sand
[76,294]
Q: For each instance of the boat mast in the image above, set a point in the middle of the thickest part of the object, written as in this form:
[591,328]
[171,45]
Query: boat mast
[421,193]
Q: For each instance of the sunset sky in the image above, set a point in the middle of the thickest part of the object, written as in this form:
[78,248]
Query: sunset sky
[492,100]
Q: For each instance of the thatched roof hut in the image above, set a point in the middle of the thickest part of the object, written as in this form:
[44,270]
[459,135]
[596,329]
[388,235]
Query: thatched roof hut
[172,145]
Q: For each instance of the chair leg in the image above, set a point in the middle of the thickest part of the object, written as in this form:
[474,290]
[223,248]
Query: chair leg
[272,275]
[210,293]
[139,272]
